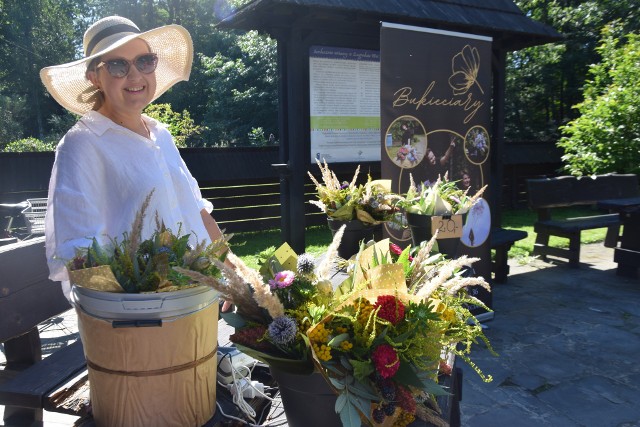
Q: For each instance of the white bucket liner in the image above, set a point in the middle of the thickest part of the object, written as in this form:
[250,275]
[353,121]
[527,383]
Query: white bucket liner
[162,305]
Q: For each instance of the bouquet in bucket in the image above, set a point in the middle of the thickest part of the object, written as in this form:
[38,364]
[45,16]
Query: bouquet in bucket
[442,197]
[371,203]
[380,337]
[134,265]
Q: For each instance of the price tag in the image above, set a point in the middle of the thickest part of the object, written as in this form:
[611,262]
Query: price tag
[448,226]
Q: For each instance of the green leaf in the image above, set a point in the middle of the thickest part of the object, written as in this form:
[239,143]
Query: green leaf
[335,341]
[344,288]
[362,390]
[345,363]
[364,405]
[361,370]
[434,388]
[407,376]
[337,383]
[340,402]
[350,416]
[233,319]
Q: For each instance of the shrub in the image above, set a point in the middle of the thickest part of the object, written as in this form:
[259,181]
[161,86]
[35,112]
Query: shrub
[181,125]
[29,145]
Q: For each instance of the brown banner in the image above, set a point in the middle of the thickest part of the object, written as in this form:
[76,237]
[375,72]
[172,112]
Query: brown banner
[435,102]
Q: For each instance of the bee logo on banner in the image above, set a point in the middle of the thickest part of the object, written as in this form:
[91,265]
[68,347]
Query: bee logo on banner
[435,105]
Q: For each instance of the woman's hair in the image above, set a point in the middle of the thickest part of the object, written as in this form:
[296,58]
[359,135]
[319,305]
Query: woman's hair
[98,97]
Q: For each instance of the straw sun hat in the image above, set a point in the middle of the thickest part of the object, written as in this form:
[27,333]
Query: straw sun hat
[172,43]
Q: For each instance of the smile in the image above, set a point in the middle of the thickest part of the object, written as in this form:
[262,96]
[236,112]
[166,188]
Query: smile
[134,89]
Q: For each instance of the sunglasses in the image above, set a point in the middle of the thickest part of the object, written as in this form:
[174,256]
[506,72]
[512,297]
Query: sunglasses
[119,68]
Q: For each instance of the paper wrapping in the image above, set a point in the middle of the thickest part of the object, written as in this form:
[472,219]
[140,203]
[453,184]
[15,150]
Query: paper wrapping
[184,398]
[99,278]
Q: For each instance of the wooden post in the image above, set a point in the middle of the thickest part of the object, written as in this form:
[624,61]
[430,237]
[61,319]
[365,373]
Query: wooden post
[297,118]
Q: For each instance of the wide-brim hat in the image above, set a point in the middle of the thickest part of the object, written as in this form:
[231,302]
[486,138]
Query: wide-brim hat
[69,86]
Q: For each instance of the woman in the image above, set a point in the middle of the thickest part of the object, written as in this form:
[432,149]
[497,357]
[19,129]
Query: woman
[115,156]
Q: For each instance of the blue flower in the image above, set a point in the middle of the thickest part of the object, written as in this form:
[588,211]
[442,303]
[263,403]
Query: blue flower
[283,330]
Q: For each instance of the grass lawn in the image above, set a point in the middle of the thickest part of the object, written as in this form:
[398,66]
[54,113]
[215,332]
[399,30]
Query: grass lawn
[249,245]
[523,219]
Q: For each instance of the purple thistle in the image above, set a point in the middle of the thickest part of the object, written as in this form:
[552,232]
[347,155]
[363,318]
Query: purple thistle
[283,330]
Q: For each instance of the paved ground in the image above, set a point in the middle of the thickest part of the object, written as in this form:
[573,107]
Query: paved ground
[568,342]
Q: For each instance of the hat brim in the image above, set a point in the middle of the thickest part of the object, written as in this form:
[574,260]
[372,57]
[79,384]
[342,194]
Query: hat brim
[69,86]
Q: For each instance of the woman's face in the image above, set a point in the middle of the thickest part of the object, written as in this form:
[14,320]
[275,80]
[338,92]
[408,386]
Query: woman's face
[466,180]
[129,94]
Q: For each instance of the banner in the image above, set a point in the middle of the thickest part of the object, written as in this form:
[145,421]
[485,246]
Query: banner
[435,102]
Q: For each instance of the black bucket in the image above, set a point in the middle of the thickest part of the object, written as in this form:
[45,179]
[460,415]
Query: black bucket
[355,232]
[420,226]
[307,399]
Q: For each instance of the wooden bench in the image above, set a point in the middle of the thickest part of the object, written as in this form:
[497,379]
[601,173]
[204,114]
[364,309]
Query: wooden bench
[548,193]
[501,241]
[28,298]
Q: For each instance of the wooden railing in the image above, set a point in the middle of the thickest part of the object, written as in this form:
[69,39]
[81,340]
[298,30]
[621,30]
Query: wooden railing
[245,189]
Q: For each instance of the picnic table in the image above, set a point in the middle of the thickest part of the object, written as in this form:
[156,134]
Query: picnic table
[627,254]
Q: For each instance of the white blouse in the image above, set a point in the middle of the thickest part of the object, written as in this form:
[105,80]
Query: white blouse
[102,174]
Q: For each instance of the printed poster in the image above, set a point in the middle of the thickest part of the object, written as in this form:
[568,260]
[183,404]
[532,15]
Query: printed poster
[436,90]
[344,101]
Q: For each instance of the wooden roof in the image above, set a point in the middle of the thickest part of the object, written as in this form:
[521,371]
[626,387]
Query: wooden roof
[500,19]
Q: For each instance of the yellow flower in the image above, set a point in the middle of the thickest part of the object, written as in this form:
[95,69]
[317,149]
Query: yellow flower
[319,334]
[323,352]
[363,308]
[346,345]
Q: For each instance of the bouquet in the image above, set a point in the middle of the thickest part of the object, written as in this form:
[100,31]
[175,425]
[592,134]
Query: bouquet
[441,198]
[134,265]
[371,203]
[379,337]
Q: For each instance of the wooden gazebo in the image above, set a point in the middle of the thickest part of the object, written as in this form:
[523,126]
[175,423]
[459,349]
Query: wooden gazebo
[298,24]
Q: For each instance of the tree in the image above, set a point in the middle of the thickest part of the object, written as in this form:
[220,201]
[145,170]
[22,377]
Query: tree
[242,89]
[34,34]
[181,125]
[545,82]
[606,135]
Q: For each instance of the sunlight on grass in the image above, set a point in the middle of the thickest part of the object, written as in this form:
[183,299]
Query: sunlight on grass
[248,246]
[523,219]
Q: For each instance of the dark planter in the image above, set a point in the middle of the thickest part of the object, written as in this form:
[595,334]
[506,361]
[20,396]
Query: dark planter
[355,232]
[307,399]
[420,226]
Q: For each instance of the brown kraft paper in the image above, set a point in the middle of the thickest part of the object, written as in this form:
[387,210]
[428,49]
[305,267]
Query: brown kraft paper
[155,376]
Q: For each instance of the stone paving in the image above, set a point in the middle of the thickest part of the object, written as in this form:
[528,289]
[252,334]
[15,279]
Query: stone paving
[568,341]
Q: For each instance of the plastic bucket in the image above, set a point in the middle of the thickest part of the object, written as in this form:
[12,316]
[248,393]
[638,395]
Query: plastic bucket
[151,357]
[307,399]
[355,232]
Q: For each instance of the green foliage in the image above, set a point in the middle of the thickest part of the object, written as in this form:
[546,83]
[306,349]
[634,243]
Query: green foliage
[35,35]
[257,138]
[181,125]
[545,82]
[606,136]
[11,108]
[241,89]
[28,144]
[149,265]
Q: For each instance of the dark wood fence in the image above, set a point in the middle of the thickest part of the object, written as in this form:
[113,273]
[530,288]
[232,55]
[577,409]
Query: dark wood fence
[245,189]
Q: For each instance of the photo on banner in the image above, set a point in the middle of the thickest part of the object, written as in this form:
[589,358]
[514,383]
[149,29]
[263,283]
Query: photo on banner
[435,107]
